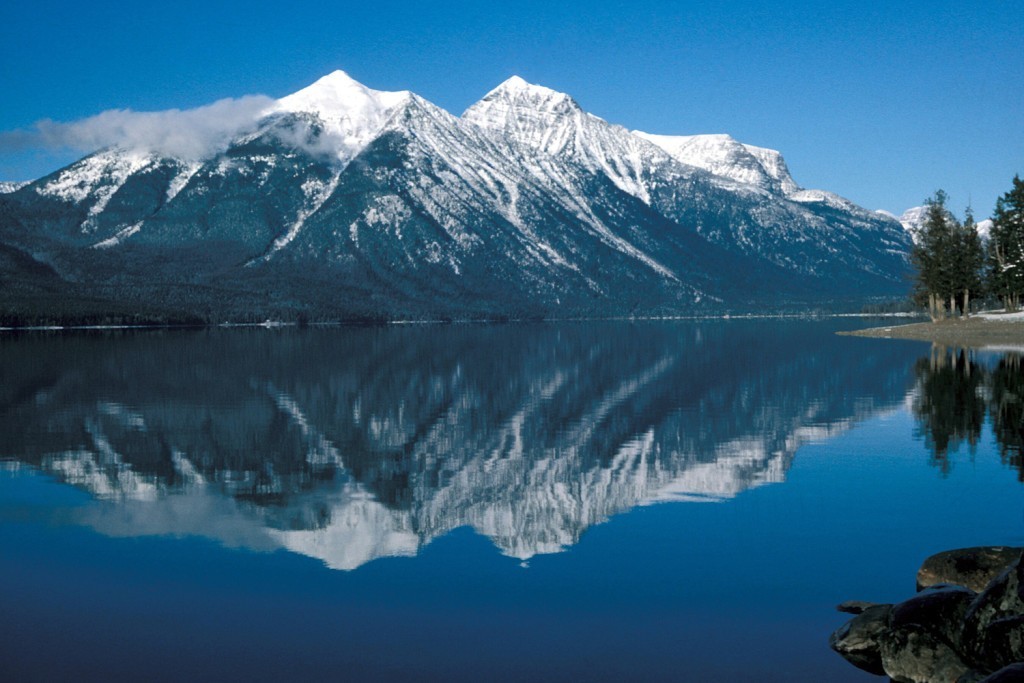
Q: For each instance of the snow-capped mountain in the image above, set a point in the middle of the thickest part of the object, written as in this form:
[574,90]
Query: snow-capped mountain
[552,128]
[679,178]
[351,115]
[913,218]
[343,201]
[724,156]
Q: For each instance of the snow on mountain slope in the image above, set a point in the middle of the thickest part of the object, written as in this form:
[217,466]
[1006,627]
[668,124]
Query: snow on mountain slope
[474,204]
[517,191]
[96,177]
[563,148]
[7,186]
[346,114]
[726,157]
[737,196]
[759,167]
[913,218]
[551,122]
[181,179]
[462,178]
[352,114]
[775,166]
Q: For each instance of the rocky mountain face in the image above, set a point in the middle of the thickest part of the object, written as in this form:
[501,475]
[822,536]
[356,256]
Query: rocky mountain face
[345,202]
[347,445]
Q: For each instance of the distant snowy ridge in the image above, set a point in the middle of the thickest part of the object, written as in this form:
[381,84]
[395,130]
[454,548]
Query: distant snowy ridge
[724,156]
[913,219]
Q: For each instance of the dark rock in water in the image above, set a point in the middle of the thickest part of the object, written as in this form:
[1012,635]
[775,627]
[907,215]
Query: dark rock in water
[1014,673]
[947,632]
[855,606]
[970,567]
[938,610]
[1003,641]
[994,623]
[858,639]
[910,655]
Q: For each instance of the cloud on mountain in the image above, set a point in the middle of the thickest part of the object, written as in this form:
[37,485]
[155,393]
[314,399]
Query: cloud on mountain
[184,133]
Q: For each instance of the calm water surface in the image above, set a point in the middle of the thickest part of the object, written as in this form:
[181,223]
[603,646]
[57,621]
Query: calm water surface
[601,501]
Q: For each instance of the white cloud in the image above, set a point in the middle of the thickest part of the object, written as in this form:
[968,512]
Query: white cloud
[188,134]
[191,134]
[307,135]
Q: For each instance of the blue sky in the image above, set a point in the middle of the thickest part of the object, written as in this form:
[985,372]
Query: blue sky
[881,103]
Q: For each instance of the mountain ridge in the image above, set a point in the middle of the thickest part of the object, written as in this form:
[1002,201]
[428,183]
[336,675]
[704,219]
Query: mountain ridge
[343,202]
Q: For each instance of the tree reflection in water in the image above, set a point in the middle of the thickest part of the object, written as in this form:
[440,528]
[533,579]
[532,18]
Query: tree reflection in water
[1006,407]
[954,393]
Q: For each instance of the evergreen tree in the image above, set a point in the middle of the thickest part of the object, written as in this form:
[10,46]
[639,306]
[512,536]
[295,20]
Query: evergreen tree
[967,260]
[933,256]
[1006,247]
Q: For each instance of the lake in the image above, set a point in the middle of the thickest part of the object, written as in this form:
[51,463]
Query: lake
[599,501]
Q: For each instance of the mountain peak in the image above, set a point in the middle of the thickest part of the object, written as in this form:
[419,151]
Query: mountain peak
[516,97]
[352,114]
[516,85]
[338,93]
[338,76]
[513,82]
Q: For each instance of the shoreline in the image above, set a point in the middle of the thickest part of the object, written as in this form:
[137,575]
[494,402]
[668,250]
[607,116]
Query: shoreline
[277,324]
[978,331]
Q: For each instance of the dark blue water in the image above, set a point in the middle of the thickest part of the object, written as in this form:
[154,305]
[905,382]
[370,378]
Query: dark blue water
[595,501]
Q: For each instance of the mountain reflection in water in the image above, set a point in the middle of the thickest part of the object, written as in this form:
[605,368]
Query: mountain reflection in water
[357,443]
